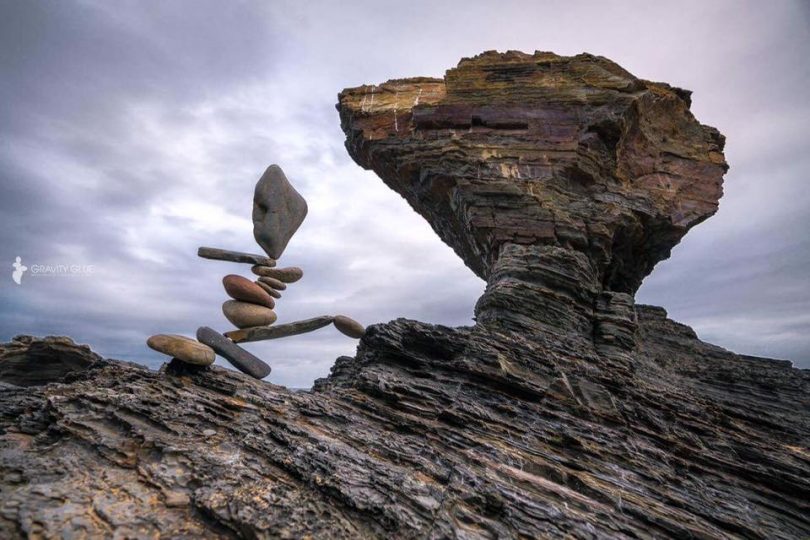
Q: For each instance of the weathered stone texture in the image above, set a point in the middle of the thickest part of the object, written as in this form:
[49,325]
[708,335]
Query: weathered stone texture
[542,150]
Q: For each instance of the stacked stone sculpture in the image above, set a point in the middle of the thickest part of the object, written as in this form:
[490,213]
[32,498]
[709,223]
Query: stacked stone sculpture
[278,211]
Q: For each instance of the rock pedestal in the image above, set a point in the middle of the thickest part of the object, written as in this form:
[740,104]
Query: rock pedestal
[555,178]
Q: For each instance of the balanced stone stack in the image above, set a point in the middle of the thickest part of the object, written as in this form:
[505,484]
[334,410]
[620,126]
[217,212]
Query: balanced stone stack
[278,211]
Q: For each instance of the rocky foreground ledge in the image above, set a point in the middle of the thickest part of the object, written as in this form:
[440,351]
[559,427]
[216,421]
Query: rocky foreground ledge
[429,432]
[566,411]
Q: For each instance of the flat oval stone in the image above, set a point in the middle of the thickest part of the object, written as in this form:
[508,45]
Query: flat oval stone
[273,282]
[241,288]
[290,274]
[270,290]
[246,315]
[349,327]
[233,353]
[234,256]
[183,348]
[260,270]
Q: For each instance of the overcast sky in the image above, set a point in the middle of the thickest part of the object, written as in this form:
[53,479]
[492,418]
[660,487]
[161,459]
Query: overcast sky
[133,132]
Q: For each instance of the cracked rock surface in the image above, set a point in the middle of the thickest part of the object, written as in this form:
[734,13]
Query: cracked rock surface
[566,411]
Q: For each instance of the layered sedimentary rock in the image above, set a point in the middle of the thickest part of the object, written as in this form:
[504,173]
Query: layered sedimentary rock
[565,411]
[563,178]
[26,361]
[570,152]
[428,432]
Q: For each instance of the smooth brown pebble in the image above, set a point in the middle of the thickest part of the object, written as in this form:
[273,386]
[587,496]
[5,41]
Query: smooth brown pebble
[291,274]
[241,288]
[260,269]
[183,348]
[246,315]
[270,290]
[349,327]
[273,282]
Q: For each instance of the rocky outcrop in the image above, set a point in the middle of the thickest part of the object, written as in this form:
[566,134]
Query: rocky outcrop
[26,361]
[566,411]
[428,432]
[542,150]
[563,178]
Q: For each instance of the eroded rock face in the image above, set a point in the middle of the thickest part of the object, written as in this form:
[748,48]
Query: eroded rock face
[429,432]
[538,169]
[26,361]
[565,412]
[542,149]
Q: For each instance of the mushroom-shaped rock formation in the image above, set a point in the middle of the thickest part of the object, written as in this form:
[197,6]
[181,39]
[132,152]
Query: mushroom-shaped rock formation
[562,179]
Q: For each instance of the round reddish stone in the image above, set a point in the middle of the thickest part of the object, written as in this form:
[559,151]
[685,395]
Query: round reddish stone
[240,288]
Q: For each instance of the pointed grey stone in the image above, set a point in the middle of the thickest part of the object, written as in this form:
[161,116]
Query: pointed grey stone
[278,211]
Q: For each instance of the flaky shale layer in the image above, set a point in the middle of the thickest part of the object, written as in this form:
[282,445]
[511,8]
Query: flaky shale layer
[562,178]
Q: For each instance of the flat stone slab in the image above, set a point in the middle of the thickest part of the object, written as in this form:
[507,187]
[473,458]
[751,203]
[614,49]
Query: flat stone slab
[290,274]
[260,333]
[278,211]
[267,288]
[233,353]
[234,256]
[273,282]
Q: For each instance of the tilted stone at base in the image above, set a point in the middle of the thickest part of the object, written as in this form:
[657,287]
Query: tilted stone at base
[236,355]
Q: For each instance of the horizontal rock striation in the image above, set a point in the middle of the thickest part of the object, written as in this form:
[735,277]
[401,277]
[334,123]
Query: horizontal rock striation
[556,177]
[26,361]
[566,411]
[542,150]
[428,432]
